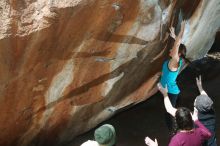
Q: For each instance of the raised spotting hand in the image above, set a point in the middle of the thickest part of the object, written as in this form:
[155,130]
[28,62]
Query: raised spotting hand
[150,142]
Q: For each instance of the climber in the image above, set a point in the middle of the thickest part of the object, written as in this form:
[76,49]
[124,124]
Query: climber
[170,70]
[187,134]
[206,113]
[104,136]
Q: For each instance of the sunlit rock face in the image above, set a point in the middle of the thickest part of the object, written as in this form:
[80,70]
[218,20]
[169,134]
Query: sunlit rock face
[66,66]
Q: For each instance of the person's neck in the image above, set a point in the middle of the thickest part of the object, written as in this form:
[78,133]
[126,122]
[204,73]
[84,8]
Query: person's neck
[186,130]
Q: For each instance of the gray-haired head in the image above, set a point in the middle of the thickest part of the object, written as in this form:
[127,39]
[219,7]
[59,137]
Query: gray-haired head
[203,103]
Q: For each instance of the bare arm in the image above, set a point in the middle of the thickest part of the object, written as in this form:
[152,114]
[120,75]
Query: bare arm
[169,108]
[172,33]
[195,114]
[174,61]
[199,85]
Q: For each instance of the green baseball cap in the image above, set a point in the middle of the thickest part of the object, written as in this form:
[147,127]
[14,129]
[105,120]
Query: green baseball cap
[105,135]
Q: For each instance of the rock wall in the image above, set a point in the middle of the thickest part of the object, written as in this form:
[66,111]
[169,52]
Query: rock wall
[66,66]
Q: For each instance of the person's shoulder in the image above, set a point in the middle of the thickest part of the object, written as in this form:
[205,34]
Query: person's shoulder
[181,60]
[176,136]
[167,60]
[179,135]
[165,63]
[175,139]
[90,143]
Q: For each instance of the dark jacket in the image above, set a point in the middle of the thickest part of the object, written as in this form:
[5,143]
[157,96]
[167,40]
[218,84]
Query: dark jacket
[208,119]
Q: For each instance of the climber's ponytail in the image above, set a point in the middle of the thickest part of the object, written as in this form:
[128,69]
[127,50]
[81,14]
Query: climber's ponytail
[182,51]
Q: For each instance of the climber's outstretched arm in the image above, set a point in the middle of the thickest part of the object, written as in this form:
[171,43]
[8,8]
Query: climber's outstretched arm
[174,52]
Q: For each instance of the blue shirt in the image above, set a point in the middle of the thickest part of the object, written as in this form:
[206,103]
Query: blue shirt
[169,77]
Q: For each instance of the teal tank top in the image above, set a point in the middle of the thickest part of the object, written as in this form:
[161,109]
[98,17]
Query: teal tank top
[169,77]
